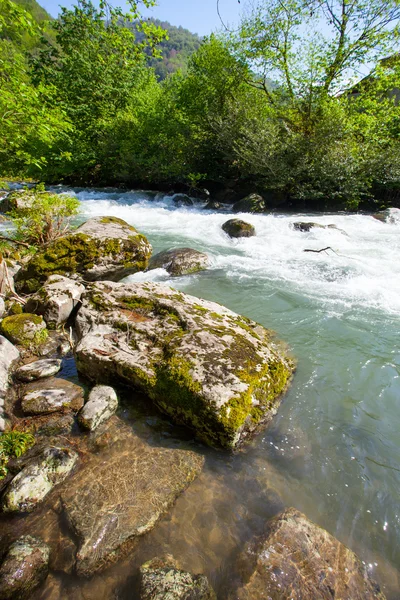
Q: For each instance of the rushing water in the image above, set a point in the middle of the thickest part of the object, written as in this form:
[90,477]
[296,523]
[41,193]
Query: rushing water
[333,451]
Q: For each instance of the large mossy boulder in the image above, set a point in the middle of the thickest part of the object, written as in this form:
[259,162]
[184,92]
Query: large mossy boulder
[297,559]
[25,330]
[201,363]
[102,248]
[24,568]
[180,261]
[253,203]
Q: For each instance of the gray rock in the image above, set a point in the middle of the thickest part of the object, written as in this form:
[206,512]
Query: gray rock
[26,330]
[180,261]
[6,279]
[298,559]
[162,579]
[102,248]
[305,227]
[236,228]
[38,369]
[56,300]
[37,479]
[51,395]
[17,200]
[101,405]
[8,354]
[24,568]
[120,494]
[253,203]
[390,215]
[202,364]
[182,200]
[2,308]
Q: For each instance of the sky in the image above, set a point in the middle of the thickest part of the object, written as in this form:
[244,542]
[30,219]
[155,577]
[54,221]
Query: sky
[199,16]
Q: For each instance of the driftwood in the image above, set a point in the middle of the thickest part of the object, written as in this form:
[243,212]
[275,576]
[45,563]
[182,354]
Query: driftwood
[318,251]
[17,242]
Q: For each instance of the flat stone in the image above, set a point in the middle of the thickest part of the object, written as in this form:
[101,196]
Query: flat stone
[38,369]
[24,568]
[180,261]
[101,405]
[51,395]
[56,300]
[298,560]
[30,487]
[120,494]
[236,228]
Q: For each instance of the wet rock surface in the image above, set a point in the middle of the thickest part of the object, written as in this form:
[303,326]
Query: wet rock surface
[101,248]
[37,479]
[101,405]
[182,200]
[390,215]
[236,228]
[56,300]
[111,502]
[8,354]
[24,568]
[180,261]
[38,369]
[297,560]
[161,579]
[25,330]
[51,395]
[253,203]
[202,364]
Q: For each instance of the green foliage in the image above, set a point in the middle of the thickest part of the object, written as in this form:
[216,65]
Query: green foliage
[13,443]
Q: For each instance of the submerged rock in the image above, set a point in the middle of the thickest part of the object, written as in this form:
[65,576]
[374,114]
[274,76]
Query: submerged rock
[161,578]
[296,559]
[182,200]
[201,363]
[38,369]
[101,248]
[390,215]
[214,205]
[236,228]
[52,395]
[119,496]
[306,227]
[180,261]
[56,300]
[8,354]
[37,479]
[253,203]
[25,330]
[101,405]
[24,568]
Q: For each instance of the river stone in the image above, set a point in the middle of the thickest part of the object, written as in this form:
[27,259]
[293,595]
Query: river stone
[236,228]
[213,205]
[161,579]
[37,479]
[8,354]
[253,203]
[56,300]
[390,215]
[38,369]
[2,307]
[297,560]
[201,363]
[52,395]
[119,495]
[101,405]
[102,248]
[25,330]
[182,200]
[180,261]
[24,568]
[17,200]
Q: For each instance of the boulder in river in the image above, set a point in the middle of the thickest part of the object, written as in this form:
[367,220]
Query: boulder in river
[253,203]
[119,495]
[25,330]
[202,364]
[101,405]
[38,369]
[8,354]
[389,215]
[56,300]
[214,205]
[37,479]
[180,261]
[102,248]
[24,568]
[297,559]
[162,578]
[182,200]
[236,228]
[51,395]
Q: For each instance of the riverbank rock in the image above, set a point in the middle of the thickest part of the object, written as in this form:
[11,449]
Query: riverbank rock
[8,354]
[202,364]
[56,300]
[161,578]
[37,479]
[253,203]
[17,200]
[102,248]
[52,395]
[25,330]
[180,261]
[119,495]
[182,200]
[24,568]
[38,369]
[297,559]
[390,215]
[101,405]
[236,228]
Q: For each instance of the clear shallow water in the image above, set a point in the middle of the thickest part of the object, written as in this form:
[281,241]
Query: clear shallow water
[334,449]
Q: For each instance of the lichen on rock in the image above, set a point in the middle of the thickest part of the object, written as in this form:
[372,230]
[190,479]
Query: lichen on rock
[25,330]
[25,566]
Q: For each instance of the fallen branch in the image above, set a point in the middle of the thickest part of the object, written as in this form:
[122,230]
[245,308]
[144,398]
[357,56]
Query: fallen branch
[318,251]
[7,239]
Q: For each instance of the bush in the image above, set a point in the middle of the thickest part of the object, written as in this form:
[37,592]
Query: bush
[13,443]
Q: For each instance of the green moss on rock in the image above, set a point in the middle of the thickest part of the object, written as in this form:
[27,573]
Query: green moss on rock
[25,330]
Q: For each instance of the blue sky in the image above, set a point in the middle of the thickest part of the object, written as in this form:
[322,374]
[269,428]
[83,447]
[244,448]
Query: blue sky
[199,16]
